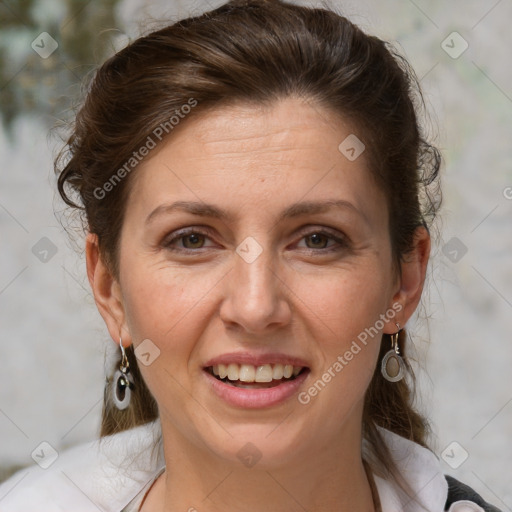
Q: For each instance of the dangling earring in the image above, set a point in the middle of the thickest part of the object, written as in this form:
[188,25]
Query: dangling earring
[122,382]
[392,366]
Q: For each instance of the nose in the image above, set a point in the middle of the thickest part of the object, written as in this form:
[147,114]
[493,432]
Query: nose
[256,298]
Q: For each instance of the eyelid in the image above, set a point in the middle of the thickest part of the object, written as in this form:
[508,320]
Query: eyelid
[182,233]
[311,229]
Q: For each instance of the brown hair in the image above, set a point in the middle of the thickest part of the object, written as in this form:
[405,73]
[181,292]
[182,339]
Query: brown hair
[259,51]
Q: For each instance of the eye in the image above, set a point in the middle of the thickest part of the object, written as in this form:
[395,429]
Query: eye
[319,238]
[191,239]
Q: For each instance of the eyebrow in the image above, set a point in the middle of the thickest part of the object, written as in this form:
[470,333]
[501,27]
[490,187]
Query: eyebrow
[295,210]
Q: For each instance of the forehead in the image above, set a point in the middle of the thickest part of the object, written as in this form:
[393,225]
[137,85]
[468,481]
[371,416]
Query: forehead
[290,124]
[256,155]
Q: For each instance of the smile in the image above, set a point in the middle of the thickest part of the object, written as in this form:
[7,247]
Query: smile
[248,386]
[266,375]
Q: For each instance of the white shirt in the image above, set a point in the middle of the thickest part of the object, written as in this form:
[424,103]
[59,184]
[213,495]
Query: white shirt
[113,474]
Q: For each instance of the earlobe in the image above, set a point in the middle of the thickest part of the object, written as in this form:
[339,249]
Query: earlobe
[107,292]
[413,272]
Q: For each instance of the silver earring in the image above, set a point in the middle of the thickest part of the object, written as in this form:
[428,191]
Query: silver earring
[122,382]
[392,366]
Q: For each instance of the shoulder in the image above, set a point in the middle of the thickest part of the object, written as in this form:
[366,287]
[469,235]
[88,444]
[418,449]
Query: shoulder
[104,474]
[434,490]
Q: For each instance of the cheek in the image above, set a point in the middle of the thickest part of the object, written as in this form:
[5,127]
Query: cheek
[347,341]
[165,308]
[345,320]
[344,303]
[168,306]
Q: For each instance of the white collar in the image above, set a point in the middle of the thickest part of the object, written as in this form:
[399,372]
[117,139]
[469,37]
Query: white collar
[110,475]
[421,470]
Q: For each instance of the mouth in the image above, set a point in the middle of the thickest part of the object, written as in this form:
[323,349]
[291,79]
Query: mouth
[255,377]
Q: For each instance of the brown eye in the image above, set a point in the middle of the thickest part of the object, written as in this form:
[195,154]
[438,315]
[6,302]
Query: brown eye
[195,239]
[318,240]
[188,239]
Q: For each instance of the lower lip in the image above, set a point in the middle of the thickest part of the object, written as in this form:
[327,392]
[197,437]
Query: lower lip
[256,398]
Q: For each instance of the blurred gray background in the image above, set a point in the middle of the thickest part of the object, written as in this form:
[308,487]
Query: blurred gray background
[53,340]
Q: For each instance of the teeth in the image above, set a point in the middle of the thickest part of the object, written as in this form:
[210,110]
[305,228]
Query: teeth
[247,373]
[222,371]
[278,371]
[250,373]
[263,373]
[232,372]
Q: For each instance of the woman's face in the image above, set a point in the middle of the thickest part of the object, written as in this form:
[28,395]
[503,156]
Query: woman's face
[279,248]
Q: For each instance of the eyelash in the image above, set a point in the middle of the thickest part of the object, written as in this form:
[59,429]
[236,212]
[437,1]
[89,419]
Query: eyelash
[342,241]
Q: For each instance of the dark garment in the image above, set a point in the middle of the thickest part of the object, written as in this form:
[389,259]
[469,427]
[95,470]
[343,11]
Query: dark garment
[458,491]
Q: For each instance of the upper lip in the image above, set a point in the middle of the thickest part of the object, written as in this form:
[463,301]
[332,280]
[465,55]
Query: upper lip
[256,359]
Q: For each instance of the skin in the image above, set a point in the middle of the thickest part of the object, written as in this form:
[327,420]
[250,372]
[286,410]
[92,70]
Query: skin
[296,298]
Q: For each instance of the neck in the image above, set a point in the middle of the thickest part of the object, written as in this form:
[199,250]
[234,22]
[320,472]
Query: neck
[330,478]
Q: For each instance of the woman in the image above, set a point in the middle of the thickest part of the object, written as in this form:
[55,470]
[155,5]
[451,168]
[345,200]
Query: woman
[257,195]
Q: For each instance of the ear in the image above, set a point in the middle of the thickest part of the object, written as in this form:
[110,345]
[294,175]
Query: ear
[410,286]
[107,292]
